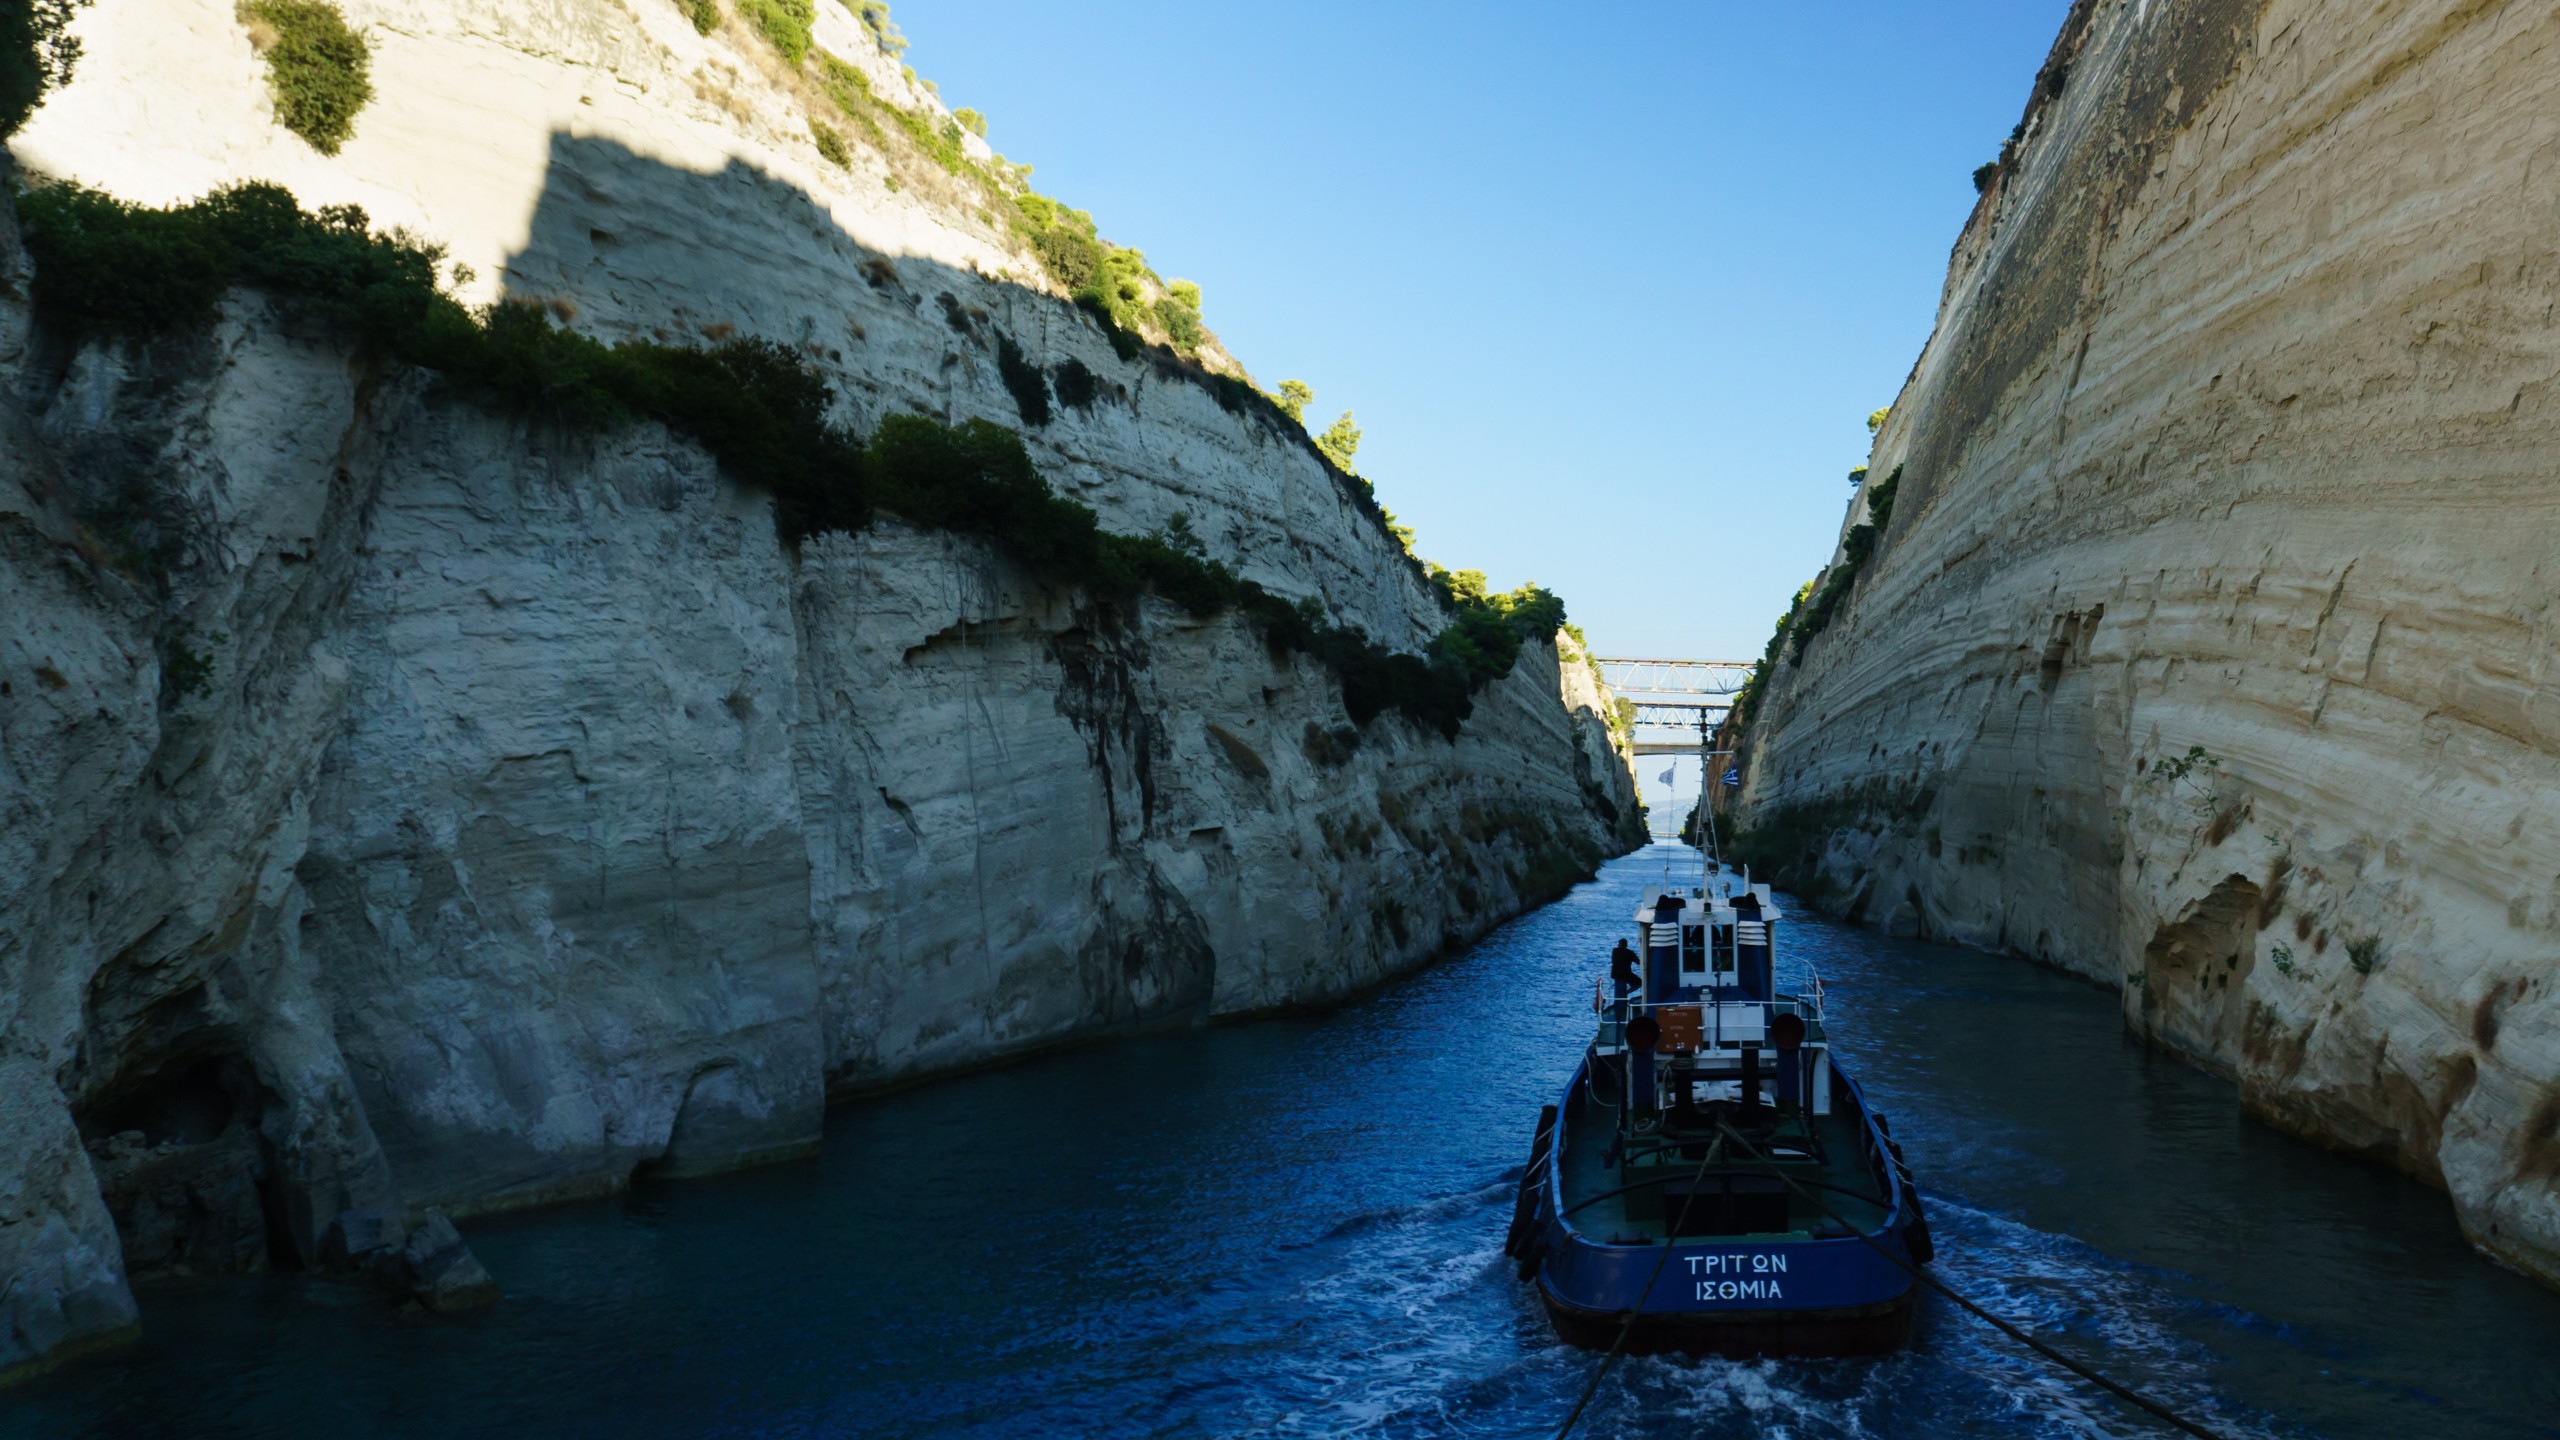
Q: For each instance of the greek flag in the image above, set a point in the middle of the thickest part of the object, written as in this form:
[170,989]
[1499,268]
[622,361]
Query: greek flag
[1666,775]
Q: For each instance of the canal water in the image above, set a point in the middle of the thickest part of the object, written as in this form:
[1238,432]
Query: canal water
[1294,1227]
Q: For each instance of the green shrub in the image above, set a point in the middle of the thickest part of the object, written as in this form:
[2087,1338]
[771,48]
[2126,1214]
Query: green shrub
[831,145]
[1233,393]
[1340,441]
[37,54]
[1029,386]
[1880,500]
[1331,748]
[1077,387]
[1984,174]
[874,15]
[107,266]
[705,14]
[1178,532]
[784,22]
[1294,397]
[187,671]
[1810,620]
[1178,310]
[1120,286]
[971,121]
[1181,324]
[1484,641]
[1746,701]
[850,89]
[1124,344]
[1064,239]
[1836,585]
[938,140]
[318,67]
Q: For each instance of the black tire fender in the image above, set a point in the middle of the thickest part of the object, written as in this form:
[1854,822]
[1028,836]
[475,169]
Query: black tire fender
[1524,1204]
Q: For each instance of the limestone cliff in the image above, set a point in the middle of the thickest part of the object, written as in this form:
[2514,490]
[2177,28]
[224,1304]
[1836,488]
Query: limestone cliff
[2209,649]
[408,808]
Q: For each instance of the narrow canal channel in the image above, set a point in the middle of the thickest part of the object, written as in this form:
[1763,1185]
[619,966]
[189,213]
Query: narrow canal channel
[1293,1227]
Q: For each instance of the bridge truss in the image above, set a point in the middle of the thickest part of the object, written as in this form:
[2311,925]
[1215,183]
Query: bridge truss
[1678,702]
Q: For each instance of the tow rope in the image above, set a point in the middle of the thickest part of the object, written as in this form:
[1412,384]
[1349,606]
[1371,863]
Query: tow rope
[1668,1245]
[2126,1393]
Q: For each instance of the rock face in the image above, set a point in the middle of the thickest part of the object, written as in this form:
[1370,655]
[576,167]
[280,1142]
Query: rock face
[409,811]
[2210,649]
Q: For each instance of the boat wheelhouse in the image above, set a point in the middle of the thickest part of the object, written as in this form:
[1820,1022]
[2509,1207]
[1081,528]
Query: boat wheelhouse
[1711,1179]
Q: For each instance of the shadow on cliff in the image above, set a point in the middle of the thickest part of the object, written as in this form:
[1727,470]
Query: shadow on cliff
[624,246]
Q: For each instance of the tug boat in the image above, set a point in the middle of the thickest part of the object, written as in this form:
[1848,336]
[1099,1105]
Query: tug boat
[1710,1119]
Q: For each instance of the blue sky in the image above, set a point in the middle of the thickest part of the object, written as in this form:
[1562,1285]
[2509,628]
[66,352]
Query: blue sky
[1598,281]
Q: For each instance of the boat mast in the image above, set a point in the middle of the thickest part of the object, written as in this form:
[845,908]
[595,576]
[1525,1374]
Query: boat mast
[1706,797]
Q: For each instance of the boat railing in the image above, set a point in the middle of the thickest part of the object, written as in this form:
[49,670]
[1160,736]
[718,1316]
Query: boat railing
[1720,1022]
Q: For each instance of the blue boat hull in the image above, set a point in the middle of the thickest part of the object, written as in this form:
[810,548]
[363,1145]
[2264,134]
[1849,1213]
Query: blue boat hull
[1817,1295]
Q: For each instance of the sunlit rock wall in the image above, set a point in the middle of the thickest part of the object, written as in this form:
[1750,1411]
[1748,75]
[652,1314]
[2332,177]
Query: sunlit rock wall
[403,806]
[2211,649]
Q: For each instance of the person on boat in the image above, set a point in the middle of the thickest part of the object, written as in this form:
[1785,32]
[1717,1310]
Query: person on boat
[1624,972]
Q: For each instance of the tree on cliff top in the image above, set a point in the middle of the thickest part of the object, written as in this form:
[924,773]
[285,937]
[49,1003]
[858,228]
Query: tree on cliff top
[37,53]
[1340,441]
[874,15]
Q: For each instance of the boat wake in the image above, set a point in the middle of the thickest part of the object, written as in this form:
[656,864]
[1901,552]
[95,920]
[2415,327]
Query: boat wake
[1435,1337]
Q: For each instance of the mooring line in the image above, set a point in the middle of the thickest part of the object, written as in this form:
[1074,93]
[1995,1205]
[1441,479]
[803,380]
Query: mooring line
[2125,1393]
[1670,1242]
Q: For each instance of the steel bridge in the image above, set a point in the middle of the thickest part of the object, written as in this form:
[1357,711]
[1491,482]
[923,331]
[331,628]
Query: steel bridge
[1678,702]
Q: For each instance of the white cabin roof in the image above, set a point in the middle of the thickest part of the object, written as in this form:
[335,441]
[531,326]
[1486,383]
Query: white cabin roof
[1716,910]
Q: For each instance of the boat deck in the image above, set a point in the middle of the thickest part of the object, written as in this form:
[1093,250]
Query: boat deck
[1839,1169]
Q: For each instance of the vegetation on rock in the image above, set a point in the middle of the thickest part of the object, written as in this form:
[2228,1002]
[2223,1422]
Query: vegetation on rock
[831,145]
[1812,619]
[784,22]
[318,66]
[1029,386]
[874,15]
[1076,386]
[106,267]
[1340,442]
[1113,282]
[1132,305]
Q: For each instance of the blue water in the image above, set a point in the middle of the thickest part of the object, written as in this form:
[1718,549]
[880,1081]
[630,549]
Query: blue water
[1293,1227]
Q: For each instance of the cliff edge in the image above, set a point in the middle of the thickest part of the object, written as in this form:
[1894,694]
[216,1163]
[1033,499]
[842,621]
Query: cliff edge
[2196,631]
[413,803]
